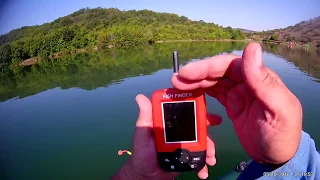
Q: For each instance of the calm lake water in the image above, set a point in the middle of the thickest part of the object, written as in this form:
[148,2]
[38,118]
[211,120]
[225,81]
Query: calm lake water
[66,119]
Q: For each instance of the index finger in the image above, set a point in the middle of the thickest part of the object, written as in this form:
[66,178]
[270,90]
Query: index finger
[205,73]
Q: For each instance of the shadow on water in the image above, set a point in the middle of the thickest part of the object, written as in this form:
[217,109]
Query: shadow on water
[99,69]
[306,60]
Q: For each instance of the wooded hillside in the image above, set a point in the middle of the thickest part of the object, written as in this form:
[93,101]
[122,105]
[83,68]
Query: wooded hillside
[101,28]
[305,32]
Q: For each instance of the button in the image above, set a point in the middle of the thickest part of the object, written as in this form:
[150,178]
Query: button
[193,166]
[184,158]
[196,158]
[172,167]
[182,155]
[167,160]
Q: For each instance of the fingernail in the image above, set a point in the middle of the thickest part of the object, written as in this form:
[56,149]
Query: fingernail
[258,56]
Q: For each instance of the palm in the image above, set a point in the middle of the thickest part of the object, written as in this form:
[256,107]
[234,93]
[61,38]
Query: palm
[249,120]
[144,159]
[257,125]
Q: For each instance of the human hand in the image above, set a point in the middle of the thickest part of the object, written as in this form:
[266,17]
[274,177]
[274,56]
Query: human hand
[143,163]
[266,116]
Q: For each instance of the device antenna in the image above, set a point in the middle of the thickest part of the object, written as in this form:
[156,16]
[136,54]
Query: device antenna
[175,61]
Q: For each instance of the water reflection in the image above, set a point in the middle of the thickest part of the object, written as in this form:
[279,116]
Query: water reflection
[99,69]
[306,60]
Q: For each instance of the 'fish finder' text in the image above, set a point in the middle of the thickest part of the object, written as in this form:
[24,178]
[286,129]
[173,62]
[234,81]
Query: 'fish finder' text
[181,95]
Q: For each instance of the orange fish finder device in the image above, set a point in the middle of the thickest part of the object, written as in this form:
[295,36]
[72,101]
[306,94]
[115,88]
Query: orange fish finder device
[180,127]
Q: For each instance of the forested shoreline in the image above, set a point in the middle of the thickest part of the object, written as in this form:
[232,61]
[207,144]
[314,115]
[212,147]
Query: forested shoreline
[101,28]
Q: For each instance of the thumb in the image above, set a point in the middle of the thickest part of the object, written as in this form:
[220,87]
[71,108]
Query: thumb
[260,81]
[144,124]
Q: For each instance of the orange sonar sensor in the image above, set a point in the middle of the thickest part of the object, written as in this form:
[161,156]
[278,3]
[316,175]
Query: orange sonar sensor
[180,127]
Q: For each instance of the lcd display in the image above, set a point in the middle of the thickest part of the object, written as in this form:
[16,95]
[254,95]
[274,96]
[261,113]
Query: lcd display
[179,121]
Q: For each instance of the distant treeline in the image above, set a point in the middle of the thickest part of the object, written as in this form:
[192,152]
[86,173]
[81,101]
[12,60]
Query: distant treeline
[100,28]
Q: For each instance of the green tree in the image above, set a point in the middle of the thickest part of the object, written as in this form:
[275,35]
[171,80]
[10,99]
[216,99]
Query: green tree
[101,28]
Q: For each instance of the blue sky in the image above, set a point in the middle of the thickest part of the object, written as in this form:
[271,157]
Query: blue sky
[249,14]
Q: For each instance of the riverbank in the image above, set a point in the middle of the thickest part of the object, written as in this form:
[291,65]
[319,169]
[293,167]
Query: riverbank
[292,46]
[217,40]
[33,60]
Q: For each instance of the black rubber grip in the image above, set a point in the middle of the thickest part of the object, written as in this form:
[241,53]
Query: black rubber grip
[182,160]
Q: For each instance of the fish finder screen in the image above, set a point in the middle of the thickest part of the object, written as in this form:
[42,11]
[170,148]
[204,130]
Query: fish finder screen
[179,121]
